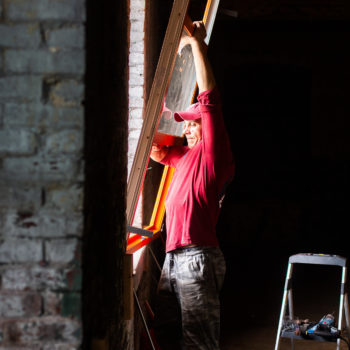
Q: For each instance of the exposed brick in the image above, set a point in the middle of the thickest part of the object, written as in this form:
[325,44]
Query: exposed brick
[136,114]
[20,250]
[73,278]
[132,148]
[66,304]
[41,144]
[20,197]
[1,113]
[20,304]
[139,15]
[52,303]
[22,114]
[74,224]
[136,69]
[136,58]
[136,80]
[68,37]
[63,117]
[67,93]
[67,199]
[40,278]
[136,91]
[136,75]
[135,123]
[137,4]
[17,142]
[60,347]
[23,347]
[38,115]
[20,35]
[42,330]
[39,168]
[44,61]
[24,88]
[136,102]
[136,36]
[67,10]
[137,46]
[61,250]
[64,142]
[44,223]
[134,134]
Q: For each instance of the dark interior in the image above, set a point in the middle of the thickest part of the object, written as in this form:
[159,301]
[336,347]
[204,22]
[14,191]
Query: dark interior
[282,74]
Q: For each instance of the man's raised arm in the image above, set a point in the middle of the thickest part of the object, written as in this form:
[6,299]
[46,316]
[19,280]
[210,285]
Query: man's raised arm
[204,73]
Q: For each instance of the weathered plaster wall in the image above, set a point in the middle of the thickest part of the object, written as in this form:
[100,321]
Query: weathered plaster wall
[41,172]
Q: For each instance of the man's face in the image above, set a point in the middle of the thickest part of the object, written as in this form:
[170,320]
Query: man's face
[193,131]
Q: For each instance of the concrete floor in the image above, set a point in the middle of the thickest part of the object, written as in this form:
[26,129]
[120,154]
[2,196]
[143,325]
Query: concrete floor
[252,296]
[263,338]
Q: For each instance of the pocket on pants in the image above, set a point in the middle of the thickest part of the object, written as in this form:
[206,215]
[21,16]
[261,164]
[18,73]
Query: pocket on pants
[197,266]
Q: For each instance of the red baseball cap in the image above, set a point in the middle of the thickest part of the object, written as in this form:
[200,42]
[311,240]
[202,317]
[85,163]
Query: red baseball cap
[191,113]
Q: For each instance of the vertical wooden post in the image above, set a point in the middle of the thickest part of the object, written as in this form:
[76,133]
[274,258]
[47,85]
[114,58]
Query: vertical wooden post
[99,344]
[128,287]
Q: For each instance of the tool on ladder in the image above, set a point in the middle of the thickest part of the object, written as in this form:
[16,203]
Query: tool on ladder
[288,327]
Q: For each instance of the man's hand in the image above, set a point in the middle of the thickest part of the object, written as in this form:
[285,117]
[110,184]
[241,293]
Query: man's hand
[204,73]
[158,152]
[199,34]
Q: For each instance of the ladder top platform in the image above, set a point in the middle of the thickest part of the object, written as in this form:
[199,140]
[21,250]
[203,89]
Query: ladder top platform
[320,259]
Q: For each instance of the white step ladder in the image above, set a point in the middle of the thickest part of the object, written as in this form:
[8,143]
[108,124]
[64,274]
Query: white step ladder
[319,259]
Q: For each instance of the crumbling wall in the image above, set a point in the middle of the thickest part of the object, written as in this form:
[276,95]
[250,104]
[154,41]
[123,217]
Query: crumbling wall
[42,63]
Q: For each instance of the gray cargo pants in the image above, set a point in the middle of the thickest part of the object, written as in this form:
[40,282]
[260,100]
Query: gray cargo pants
[195,276]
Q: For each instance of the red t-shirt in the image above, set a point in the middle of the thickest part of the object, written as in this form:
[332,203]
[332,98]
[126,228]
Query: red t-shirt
[192,202]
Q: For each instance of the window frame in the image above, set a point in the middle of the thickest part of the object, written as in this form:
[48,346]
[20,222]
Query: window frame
[178,22]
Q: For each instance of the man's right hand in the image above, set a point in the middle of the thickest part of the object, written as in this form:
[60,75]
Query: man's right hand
[158,152]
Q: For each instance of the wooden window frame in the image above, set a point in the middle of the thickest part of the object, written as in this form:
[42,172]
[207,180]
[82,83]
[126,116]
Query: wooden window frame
[179,21]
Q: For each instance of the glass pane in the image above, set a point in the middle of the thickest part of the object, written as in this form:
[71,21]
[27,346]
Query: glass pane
[180,92]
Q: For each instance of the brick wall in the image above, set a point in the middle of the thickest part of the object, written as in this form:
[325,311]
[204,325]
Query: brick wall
[42,62]
[136,74]
[148,22]
[136,84]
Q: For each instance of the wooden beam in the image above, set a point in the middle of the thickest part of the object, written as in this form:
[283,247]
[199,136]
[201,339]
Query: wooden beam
[128,287]
[155,103]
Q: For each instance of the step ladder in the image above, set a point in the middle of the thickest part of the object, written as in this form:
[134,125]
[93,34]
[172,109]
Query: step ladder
[287,301]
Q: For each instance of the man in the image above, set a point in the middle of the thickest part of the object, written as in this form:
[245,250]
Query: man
[194,266]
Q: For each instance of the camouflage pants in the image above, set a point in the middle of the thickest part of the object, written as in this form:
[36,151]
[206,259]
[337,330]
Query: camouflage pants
[195,276]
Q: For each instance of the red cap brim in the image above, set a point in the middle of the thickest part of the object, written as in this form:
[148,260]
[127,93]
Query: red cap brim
[181,116]
[192,113]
